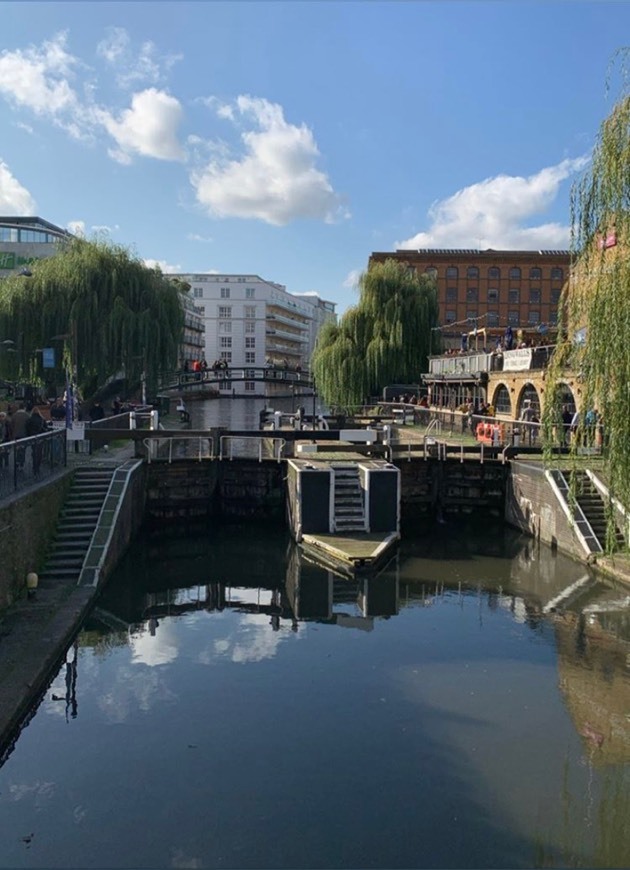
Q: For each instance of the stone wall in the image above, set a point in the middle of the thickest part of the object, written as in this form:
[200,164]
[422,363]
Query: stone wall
[451,486]
[28,522]
[532,506]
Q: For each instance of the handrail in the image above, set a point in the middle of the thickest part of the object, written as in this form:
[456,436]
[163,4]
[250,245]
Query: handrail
[153,444]
[258,438]
[574,513]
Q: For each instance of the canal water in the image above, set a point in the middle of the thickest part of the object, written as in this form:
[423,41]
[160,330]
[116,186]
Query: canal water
[229,704]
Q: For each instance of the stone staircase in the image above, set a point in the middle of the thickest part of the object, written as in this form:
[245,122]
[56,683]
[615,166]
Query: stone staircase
[77,522]
[593,507]
[348,499]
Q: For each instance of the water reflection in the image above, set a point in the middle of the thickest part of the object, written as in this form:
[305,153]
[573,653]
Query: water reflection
[215,682]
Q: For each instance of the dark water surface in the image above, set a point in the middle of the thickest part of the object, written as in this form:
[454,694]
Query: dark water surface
[231,705]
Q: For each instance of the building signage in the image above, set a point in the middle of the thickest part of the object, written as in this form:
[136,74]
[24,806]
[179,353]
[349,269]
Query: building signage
[517,360]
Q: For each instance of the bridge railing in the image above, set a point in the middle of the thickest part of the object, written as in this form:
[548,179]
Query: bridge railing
[182,379]
[31,460]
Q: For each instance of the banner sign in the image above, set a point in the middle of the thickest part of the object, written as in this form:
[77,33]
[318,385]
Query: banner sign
[517,360]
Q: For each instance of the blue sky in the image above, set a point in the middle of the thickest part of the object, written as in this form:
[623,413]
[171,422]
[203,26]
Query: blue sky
[292,139]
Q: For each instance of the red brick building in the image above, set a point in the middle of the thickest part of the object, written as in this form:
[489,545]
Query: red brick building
[492,288]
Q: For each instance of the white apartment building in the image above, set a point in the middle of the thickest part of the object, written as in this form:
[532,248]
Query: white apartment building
[322,312]
[251,322]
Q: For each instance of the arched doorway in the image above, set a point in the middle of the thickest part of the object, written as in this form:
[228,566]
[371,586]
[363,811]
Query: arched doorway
[528,398]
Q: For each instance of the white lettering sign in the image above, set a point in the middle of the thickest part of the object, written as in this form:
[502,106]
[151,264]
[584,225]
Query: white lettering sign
[517,360]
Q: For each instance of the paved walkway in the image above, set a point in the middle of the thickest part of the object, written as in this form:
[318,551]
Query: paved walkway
[34,633]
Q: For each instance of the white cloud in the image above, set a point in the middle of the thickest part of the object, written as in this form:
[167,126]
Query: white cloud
[103,228]
[494,213]
[38,78]
[133,66]
[195,237]
[77,227]
[148,128]
[26,127]
[165,267]
[276,179]
[14,197]
[352,279]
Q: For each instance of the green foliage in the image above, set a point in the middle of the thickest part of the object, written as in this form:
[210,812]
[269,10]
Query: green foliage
[385,339]
[108,312]
[597,299]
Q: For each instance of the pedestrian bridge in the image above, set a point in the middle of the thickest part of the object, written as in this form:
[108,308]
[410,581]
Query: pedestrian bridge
[180,380]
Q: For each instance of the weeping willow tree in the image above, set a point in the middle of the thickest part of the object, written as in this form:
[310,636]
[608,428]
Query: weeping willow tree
[101,306]
[384,339]
[594,338]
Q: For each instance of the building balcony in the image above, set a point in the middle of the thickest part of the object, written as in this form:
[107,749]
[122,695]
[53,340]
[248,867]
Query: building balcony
[288,321]
[291,336]
[473,364]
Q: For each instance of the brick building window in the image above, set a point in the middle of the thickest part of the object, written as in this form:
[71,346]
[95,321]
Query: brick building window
[494,273]
[534,316]
[472,272]
[557,274]
[534,294]
[553,316]
[471,314]
[555,296]
[493,294]
[513,318]
[472,294]
[502,403]
[492,318]
[449,316]
[535,274]
[452,272]
[513,295]
[515,274]
[451,294]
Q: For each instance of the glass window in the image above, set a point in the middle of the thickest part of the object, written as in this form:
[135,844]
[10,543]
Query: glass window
[201,309]
[513,295]
[250,386]
[513,318]
[225,310]
[450,316]
[225,327]
[471,313]
[471,294]
[502,402]
[452,272]
[225,385]
[451,294]
[534,316]
[250,326]
[431,271]
[492,318]
[225,342]
[198,292]
[225,292]
[534,294]
[553,316]
[250,311]
[250,342]
[226,355]
[494,272]
[250,357]
[555,295]
[493,294]
[472,272]
[515,273]
[250,292]
[535,273]
[557,274]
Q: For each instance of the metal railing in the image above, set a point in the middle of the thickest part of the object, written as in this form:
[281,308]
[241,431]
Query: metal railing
[242,444]
[31,460]
[197,447]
